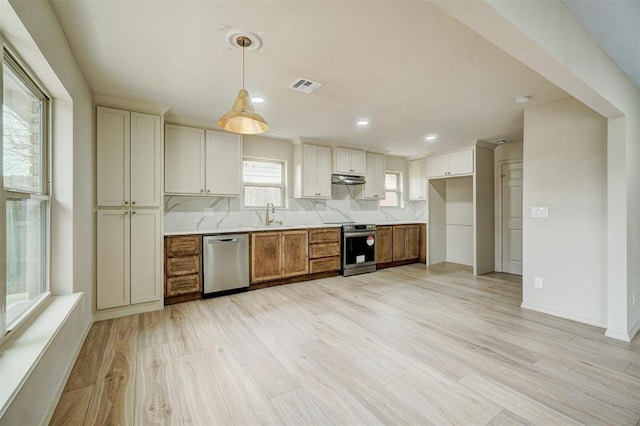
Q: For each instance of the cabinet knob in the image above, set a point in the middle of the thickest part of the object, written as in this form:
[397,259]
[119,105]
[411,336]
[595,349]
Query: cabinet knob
[126,202]
[202,190]
[133,212]
[133,202]
[208,190]
[126,213]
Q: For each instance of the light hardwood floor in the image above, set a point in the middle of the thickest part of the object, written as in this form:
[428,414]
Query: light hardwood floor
[405,345]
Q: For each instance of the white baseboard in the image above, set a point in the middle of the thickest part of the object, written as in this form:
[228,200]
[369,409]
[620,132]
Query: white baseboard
[127,310]
[634,330]
[565,315]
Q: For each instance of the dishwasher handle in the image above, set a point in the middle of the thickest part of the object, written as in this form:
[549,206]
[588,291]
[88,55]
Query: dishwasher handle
[229,239]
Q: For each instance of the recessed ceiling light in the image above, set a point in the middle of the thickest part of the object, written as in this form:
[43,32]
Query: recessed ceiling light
[362,122]
[522,99]
[431,137]
[257,100]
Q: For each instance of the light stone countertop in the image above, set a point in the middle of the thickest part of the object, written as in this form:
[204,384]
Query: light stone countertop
[247,229]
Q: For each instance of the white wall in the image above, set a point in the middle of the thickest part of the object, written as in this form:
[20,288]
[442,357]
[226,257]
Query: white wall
[32,28]
[565,170]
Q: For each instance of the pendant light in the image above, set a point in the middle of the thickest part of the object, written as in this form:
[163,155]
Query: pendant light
[242,118]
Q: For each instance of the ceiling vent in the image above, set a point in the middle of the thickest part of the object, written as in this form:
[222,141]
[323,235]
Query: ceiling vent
[499,141]
[304,85]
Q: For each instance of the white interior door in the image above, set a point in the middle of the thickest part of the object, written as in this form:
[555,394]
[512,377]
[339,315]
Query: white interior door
[512,218]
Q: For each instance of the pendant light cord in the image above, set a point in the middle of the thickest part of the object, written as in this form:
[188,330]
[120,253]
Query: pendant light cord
[243,66]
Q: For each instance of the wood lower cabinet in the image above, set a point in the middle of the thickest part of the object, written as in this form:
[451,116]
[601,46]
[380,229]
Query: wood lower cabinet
[324,250]
[183,275]
[276,255]
[384,244]
[406,242]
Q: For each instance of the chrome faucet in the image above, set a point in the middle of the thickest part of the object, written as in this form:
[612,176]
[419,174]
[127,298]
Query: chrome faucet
[268,220]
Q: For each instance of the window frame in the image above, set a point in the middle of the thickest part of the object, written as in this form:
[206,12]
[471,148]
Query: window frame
[18,66]
[282,186]
[398,190]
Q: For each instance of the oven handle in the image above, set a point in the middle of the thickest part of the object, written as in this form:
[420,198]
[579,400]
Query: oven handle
[359,234]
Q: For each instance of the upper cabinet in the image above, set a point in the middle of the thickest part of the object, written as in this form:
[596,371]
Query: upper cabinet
[375,171]
[450,164]
[128,158]
[349,161]
[311,171]
[417,180]
[199,162]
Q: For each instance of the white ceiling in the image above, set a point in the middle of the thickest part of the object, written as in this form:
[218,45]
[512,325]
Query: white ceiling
[407,66]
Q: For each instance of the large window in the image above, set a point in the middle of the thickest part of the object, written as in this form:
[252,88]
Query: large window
[25,191]
[392,193]
[264,182]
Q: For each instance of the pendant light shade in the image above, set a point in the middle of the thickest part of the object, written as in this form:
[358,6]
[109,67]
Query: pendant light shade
[242,118]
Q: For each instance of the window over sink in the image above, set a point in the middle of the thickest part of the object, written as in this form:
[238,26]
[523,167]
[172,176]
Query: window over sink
[263,182]
[392,192]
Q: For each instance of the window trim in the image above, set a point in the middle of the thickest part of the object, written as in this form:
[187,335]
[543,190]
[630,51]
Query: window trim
[398,191]
[283,186]
[19,67]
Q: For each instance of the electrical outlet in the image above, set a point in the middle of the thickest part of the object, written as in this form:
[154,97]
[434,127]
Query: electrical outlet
[208,212]
[538,282]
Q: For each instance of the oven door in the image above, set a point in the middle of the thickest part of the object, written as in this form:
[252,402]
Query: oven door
[359,249]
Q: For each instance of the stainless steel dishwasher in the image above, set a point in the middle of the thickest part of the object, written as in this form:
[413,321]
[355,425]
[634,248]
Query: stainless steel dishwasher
[225,263]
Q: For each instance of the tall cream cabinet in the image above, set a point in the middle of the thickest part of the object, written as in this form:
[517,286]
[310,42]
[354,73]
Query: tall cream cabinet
[128,211]
[311,171]
[129,252]
[128,158]
[202,162]
[375,166]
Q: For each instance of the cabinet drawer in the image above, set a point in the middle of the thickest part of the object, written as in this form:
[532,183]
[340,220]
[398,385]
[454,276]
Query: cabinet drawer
[183,265]
[182,246]
[182,285]
[324,250]
[325,264]
[324,235]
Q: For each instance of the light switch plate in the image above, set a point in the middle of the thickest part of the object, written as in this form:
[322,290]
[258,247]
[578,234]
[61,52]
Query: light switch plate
[538,282]
[540,212]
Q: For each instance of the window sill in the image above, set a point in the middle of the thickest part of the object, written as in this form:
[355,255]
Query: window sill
[25,345]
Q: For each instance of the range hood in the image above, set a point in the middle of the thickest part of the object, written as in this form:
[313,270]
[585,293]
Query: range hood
[347,180]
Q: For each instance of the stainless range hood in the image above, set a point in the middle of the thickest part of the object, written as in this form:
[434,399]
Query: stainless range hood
[347,180]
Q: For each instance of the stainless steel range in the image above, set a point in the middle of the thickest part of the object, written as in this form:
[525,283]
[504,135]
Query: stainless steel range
[358,249]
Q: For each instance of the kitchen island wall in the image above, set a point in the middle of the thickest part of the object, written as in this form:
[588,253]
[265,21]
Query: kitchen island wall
[187,213]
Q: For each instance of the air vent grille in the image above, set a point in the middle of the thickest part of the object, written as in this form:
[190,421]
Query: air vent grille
[499,141]
[304,85]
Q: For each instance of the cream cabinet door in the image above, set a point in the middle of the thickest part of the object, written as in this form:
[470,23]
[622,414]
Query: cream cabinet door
[437,166]
[145,158]
[417,178]
[184,160]
[112,253]
[309,171]
[223,174]
[461,162]
[375,176]
[358,162]
[112,153]
[323,176]
[343,161]
[146,256]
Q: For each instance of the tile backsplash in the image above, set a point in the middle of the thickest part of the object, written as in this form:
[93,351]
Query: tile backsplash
[188,214]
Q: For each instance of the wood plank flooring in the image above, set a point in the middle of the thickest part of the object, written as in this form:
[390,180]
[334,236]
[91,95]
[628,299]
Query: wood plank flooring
[405,345]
